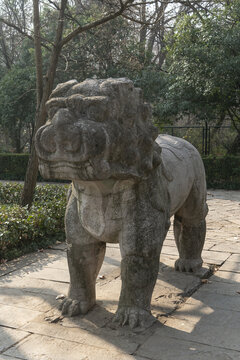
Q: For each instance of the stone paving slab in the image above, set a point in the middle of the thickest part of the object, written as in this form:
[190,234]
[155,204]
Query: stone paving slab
[29,349]
[202,324]
[235,258]
[221,288]
[44,257]
[16,317]
[163,347]
[105,338]
[209,257]
[49,273]
[10,337]
[35,286]
[27,300]
[198,318]
[230,266]
[226,276]
[228,247]
[220,301]
[214,257]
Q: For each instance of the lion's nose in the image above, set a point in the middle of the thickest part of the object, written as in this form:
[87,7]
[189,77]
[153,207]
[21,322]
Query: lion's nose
[67,136]
[47,139]
[67,140]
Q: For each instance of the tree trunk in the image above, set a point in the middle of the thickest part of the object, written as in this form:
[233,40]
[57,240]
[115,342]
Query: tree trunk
[158,29]
[44,90]
[43,93]
[143,32]
[5,52]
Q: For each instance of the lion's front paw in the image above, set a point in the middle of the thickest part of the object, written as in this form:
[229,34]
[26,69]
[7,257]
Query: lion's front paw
[72,307]
[134,317]
[188,265]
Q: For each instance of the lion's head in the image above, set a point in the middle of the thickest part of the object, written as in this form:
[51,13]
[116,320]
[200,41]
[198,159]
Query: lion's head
[97,129]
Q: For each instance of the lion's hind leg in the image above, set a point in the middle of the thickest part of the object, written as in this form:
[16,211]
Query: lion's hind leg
[190,240]
[190,231]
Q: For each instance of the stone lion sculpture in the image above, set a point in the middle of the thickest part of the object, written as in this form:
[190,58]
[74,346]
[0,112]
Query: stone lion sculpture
[126,184]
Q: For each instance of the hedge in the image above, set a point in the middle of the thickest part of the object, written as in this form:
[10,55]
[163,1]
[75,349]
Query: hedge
[23,230]
[221,172]
[14,166]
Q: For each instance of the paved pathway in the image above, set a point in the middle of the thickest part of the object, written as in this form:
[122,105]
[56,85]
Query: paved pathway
[198,316]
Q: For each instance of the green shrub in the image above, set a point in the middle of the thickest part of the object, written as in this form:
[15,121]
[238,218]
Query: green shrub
[223,172]
[14,166]
[10,193]
[23,230]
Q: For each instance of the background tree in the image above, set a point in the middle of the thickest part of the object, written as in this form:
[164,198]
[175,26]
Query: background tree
[17,105]
[204,67]
[16,76]
[79,39]
[44,84]
[17,14]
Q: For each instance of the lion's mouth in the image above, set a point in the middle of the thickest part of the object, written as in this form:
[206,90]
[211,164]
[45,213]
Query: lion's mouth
[67,170]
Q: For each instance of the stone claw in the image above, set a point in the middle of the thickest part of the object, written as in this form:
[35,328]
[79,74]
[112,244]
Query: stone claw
[134,317]
[188,265]
[72,307]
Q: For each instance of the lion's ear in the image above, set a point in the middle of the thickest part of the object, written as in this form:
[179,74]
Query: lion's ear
[53,105]
[62,89]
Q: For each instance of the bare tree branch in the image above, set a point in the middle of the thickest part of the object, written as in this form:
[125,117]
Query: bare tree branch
[17,28]
[25,34]
[96,23]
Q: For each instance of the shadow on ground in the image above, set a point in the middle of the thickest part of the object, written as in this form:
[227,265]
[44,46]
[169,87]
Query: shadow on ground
[28,305]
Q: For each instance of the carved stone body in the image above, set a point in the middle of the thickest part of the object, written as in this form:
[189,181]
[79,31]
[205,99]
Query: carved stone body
[126,184]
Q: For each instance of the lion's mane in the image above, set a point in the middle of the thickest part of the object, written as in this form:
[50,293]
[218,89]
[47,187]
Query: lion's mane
[119,107]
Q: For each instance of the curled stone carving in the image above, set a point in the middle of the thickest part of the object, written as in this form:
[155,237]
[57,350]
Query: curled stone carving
[126,184]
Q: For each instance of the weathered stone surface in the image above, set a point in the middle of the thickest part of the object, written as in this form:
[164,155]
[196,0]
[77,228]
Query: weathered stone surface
[102,338]
[228,247]
[204,325]
[216,301]
[214,257]
[112,261]
[9,337]
[226,276]
[162,347]
[59,349]
[26,260]
[169,250]
[49,273]
[61,263]
[16,317]
[220,287]
[127,182]
[32,285]
[231,266]
[210,243]
[167,260]
[26,300]
[61,246]
[235,258]
[210,310]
